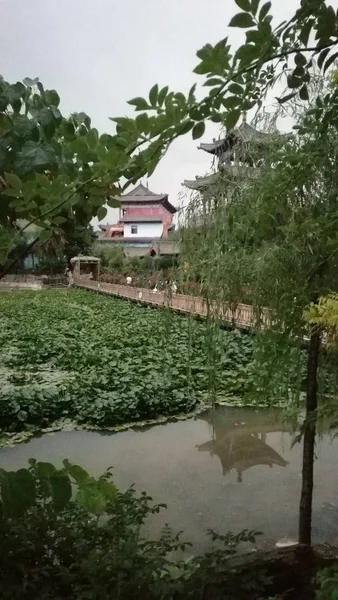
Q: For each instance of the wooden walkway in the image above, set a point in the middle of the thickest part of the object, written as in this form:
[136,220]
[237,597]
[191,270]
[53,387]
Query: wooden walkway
[242,317]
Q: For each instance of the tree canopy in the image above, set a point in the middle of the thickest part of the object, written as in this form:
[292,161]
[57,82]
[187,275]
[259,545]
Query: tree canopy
[239,79]
[55,169]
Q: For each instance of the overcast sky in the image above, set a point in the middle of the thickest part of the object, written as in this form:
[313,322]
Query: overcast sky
[100,53]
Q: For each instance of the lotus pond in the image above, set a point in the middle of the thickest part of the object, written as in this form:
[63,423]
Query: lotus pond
[74,359]
[86,359]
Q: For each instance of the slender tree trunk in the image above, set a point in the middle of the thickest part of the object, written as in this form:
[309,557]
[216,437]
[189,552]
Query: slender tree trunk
[305,507]
[20,256]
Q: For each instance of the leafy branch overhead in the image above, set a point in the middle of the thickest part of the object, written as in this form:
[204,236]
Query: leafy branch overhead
[239,79]
[55,172]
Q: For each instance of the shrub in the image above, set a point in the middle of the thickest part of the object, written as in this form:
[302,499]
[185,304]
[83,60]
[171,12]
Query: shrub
[89,544]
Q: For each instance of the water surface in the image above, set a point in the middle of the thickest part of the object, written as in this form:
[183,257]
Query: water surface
[227,469]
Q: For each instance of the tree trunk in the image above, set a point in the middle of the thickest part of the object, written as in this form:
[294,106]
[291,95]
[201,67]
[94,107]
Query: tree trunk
[20,256]
[305,507]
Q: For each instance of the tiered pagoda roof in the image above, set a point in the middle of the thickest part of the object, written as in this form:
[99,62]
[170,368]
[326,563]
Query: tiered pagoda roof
[226,149]
[142,195]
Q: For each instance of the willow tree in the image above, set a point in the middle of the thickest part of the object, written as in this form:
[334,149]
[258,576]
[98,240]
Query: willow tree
[271,238]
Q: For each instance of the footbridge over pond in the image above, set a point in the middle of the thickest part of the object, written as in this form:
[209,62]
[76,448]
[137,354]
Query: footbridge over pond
[241,316]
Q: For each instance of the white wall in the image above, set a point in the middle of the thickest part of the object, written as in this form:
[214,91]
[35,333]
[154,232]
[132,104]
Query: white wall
[144,230]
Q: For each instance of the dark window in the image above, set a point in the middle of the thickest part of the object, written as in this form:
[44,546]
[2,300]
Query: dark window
[134,229]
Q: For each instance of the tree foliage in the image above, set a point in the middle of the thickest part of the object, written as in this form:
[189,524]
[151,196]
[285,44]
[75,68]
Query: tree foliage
[239,79]
[57,173]
[324,314]
[91,544]
[54,169]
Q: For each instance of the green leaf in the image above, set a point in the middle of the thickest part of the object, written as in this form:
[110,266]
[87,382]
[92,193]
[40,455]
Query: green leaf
[40,88]
[92,138]
[23,490]
[191,95]
[198,130]
[162,95]
[30,82]
[61,489]
[91,498]
[232,118]
[143,123]
[139,103]
[183,129]
[254,6]
[244,5]
[264,11]
[330,61]
[303,92]
[18,492]
[125,123]
[286,98]
[13,193]
[53,97]
[113,203]
[27,128]
[305,32]
[13,180]
[231,101]
[102,213]
[56,114]
[76,472]
[247,53]
[34,156]
[322,56]
[236,89]
[300,59]
[45,116]
[59,220]
[293,82]
[107,489]
[22,415]
[213,81]
[44,470]
[42,180]
[242,20]
[153,95]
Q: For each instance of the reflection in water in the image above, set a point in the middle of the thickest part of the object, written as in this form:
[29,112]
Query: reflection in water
[179,464]
[241,445]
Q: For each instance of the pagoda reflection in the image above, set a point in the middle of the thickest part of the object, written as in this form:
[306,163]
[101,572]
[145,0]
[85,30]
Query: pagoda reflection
[239,440]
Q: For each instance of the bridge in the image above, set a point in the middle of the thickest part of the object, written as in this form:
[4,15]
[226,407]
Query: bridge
[241,316]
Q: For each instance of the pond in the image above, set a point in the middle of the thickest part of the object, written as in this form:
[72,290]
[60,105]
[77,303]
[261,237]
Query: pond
[227,469]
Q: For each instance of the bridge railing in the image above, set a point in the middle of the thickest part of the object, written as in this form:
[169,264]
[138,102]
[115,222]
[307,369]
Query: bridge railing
[241,315]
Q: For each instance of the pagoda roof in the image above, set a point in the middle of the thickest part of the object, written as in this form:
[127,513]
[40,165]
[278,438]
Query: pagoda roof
[243,453]
[243,133]
[142,195]
[200,183]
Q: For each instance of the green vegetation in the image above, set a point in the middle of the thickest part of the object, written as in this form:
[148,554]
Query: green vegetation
[90,545]
[99,361]
[70,357]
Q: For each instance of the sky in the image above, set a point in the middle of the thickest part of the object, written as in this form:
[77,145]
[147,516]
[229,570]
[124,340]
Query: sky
[100,53]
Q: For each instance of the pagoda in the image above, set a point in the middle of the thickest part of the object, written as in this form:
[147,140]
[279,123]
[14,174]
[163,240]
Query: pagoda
[144,217]
[235,154]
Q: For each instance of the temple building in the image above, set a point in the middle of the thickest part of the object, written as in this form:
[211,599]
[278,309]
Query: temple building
[144,218]
[235,154]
